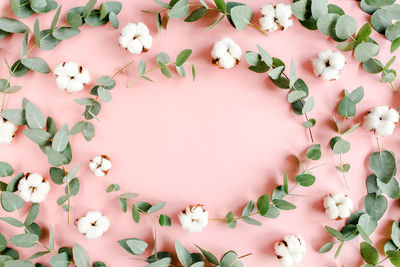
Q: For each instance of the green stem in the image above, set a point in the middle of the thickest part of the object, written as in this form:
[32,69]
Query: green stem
[342,171]
[148,71]
[155,235]
[302,104]
[29,232]
[257,28]
[69,198]
[379,146]
[379,65]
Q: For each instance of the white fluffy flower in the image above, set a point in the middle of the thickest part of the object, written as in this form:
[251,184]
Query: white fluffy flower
[381,120]
[338,206]
[71,77]
[194,218]
[33,187]
[328,64]
[100,165]
[290,250]
[226,53]
[277,17]
[93,224]
[135,38]
[7,131]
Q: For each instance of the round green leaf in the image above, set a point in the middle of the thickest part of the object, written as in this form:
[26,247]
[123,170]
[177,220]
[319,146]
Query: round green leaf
[5,169]
[64,33]
[345,27]
[36,64]
[11,202]
[365,50]
[12,25]
[375,205]
[326,24]
[369,253]
[48,41]
[373,66]
[383,164]
[241,16]
[305,179]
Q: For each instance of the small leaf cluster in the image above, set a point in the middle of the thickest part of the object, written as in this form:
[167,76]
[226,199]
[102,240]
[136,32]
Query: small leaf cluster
[361,222]
[238,14]
[383,13]
[371,255]
[48,39]
[52,141]
[332,21]
[11,202]
[262,62]
[139,208]
[269,205]
[346,109]
[26,8]
[163,63]
[60,176]
[392,246]
[137,246]
[92,106]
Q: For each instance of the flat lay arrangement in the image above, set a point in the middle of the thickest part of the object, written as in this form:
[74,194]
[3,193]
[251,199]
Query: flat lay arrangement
[199,133]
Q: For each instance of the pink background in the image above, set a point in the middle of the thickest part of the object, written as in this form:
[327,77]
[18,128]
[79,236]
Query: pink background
[221,141]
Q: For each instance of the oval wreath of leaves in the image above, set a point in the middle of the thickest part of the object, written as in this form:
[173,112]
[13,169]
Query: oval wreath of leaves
[54,141]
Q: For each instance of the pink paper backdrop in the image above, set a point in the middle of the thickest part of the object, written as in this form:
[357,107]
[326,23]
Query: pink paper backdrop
[221,141]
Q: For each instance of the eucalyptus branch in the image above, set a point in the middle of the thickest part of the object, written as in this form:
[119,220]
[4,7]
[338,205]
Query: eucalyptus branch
[163,63]
[238,14]
[346,109]
[269,205]
[262,62]
[331,20]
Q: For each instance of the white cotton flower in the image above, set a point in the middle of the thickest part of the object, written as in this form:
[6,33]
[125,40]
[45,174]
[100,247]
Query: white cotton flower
[226,53]
[381,120]
[70,76]
[7,131]
[135,38]
[93,224]
[338,206]
[194,218]
[328,64]
[277,17]
[33,188]
[290,250]
[100,165]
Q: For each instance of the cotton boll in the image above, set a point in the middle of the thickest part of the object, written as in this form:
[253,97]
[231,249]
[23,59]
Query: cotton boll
[7,131]
[283,15]
[337,60]
[290,250]
[100,165]
[33,188]
[194,218]
[276,17]
[328,65]
[319,66]
[226,53]
[381,120]
[93,225]
[135,38]
[70,76]
[330,74]
[325,55]
[135,47]
[227,62]
[268,24]
[338,206]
